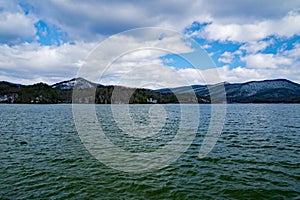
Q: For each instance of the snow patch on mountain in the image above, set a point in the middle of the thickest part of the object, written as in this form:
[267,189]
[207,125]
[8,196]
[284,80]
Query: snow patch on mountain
[80,83]
[251,88]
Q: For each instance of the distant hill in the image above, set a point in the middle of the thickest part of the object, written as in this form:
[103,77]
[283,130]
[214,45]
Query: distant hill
[268,91]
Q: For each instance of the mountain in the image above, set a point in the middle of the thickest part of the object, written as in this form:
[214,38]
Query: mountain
[69,84]
[267,91]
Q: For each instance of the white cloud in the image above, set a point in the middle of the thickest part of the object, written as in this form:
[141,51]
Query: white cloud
[259,66]
[121,53]
[241,74]
[28,63]
[217,75]
[237,75]
[206,46]
[226,57]
[168,60]
[15,27]
[255,46]
[197,76]
[266,61]
[284,27]
[293,53]
[152,76]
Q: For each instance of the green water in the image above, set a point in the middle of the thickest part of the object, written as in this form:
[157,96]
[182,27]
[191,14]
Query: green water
[256,157]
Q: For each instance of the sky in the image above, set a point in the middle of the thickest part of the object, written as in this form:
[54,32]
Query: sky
[50,41]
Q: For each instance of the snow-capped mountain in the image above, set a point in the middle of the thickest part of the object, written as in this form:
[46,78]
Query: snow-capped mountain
[278,90]
[80,83]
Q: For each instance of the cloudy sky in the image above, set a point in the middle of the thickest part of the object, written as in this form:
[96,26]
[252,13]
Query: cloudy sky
[49,41]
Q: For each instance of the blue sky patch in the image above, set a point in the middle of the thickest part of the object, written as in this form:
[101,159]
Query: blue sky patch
[49,34]
[280,44]
[198,59]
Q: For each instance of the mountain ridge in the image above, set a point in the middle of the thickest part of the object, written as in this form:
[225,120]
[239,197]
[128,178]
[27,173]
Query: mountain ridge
[265,91]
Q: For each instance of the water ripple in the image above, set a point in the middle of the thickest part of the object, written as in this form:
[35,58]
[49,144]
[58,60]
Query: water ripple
[256,157]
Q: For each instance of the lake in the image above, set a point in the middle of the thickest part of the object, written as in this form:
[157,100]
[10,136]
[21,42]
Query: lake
[257,155]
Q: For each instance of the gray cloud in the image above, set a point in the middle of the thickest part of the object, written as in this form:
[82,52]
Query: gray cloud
[94,20]
[90,19]
[15,27]
[248,11]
